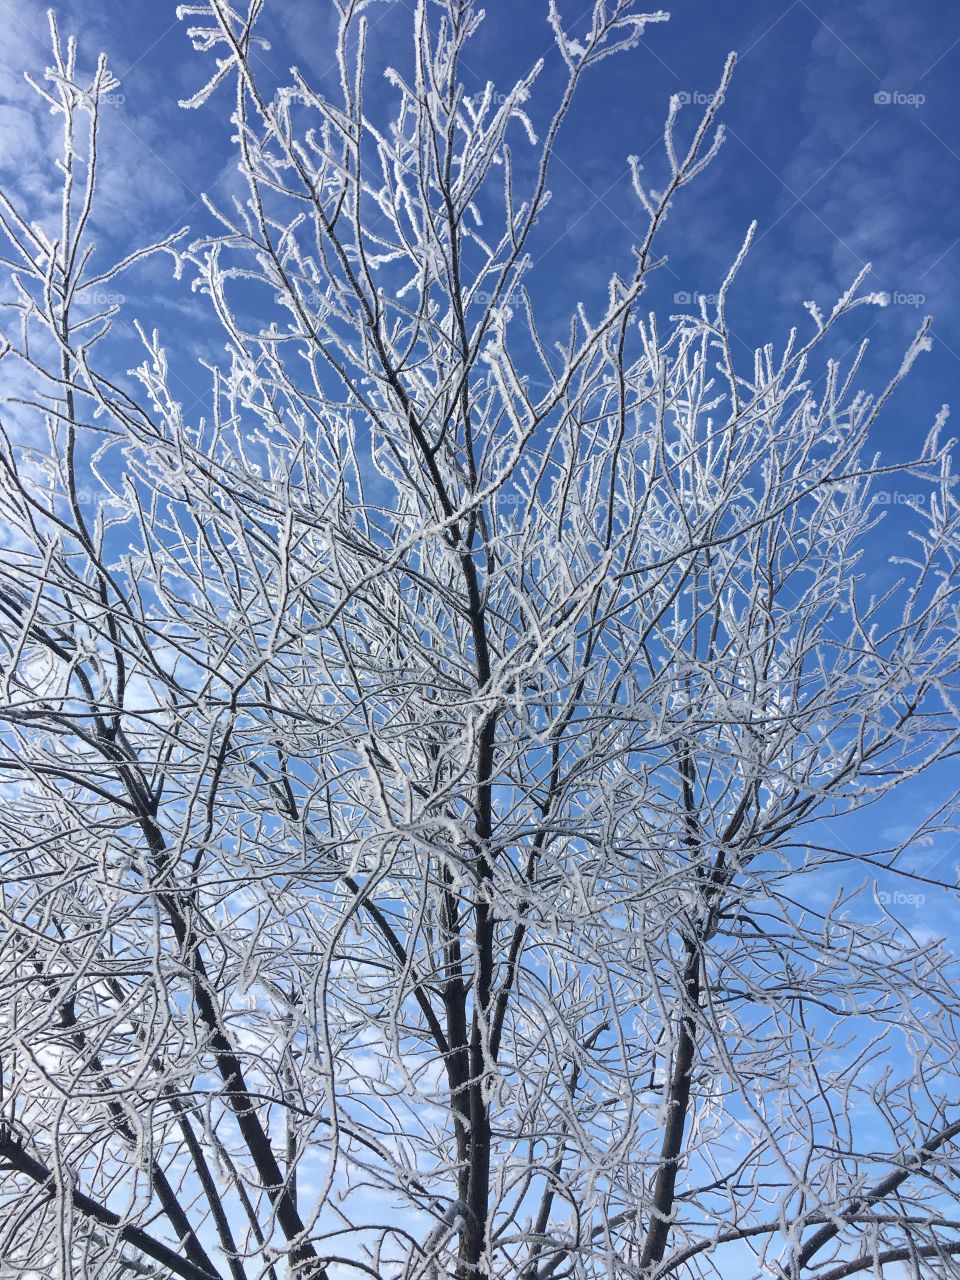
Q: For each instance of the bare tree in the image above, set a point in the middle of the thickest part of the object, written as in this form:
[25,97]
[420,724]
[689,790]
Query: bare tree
[420,770]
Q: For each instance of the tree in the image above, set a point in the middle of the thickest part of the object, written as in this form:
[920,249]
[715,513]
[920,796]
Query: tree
[419,769]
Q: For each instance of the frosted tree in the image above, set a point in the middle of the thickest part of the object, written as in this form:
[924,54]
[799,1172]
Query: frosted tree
[422,768]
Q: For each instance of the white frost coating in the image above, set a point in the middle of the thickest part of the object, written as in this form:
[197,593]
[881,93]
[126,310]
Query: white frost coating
[413,751]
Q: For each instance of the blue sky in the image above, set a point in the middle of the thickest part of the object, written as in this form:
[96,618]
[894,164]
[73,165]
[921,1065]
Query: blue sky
[843,143]
[834,177]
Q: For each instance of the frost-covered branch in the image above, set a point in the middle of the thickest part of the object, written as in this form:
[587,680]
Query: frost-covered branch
[426,756]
